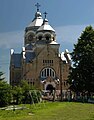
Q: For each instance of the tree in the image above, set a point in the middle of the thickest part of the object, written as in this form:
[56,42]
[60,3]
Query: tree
[26,90]
[5,92]
[30,94]
[81,77]
[17,94]
[25,93]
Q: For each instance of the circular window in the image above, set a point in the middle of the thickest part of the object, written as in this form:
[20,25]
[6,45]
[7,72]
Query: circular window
[30,37]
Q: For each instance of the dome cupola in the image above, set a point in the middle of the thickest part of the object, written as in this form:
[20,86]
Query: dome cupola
[37,21]
[45,31]
[45,26]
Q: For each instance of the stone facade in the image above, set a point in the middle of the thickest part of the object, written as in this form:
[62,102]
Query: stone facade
[40,62]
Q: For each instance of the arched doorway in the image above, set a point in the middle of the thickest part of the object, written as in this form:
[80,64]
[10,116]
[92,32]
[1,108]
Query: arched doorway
[50,88]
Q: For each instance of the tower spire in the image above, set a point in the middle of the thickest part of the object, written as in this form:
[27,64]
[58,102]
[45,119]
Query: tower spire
[37,5]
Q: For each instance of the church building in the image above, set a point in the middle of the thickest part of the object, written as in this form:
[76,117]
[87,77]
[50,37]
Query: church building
[40,62]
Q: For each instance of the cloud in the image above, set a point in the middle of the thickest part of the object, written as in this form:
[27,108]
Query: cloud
[11,39]
[65,35]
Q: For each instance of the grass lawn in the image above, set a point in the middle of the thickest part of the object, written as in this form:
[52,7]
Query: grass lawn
[51,111]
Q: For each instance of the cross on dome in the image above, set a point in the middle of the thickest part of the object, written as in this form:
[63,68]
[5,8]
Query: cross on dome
[37,5]
[45,13]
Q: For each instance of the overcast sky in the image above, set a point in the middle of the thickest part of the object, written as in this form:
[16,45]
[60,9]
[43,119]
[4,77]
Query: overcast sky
[68,17]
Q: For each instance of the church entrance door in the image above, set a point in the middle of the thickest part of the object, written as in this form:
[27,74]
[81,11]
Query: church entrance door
[50,88]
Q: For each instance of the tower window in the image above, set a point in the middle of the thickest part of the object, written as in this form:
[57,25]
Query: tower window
[47,37]
[40,37]
[53,39]
[48,62]
[47,72]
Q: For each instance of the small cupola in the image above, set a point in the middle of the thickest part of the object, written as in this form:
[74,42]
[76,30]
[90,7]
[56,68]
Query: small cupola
[45,31]
[45,26]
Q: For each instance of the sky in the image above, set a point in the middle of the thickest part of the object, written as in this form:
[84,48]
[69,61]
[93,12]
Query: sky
[68,17]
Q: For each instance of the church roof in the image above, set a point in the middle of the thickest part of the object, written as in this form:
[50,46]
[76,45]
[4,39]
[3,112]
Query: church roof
[16,60]
[45,26]
[29,56]
[29,47]
[37,21]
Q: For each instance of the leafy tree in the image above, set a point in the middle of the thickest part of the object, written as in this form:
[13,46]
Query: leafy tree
[17,93]
[26,90]
[81,77]
[29,92]
[5,92]
[25,93]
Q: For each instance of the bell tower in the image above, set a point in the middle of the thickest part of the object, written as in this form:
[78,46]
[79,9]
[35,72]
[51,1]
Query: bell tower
[30,30]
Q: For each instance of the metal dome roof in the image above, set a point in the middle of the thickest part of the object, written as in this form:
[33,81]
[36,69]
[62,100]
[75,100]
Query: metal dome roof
[37,21]
[45,26]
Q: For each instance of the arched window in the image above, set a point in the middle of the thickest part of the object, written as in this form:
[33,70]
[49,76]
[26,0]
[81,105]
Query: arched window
[47,37]
[40,37]
[47,72]
[53,39]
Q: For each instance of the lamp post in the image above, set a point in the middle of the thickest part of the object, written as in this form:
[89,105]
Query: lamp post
[60,62]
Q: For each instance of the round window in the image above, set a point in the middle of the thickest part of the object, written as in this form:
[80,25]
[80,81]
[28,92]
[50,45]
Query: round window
[30,37]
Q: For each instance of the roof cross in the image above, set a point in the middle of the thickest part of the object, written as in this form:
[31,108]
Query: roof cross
[37,5]
[45,13]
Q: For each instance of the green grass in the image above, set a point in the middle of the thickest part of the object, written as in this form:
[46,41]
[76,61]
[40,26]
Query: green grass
[52,111]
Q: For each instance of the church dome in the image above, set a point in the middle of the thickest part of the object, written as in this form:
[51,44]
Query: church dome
[38,15]
[45,26]
[37,21]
